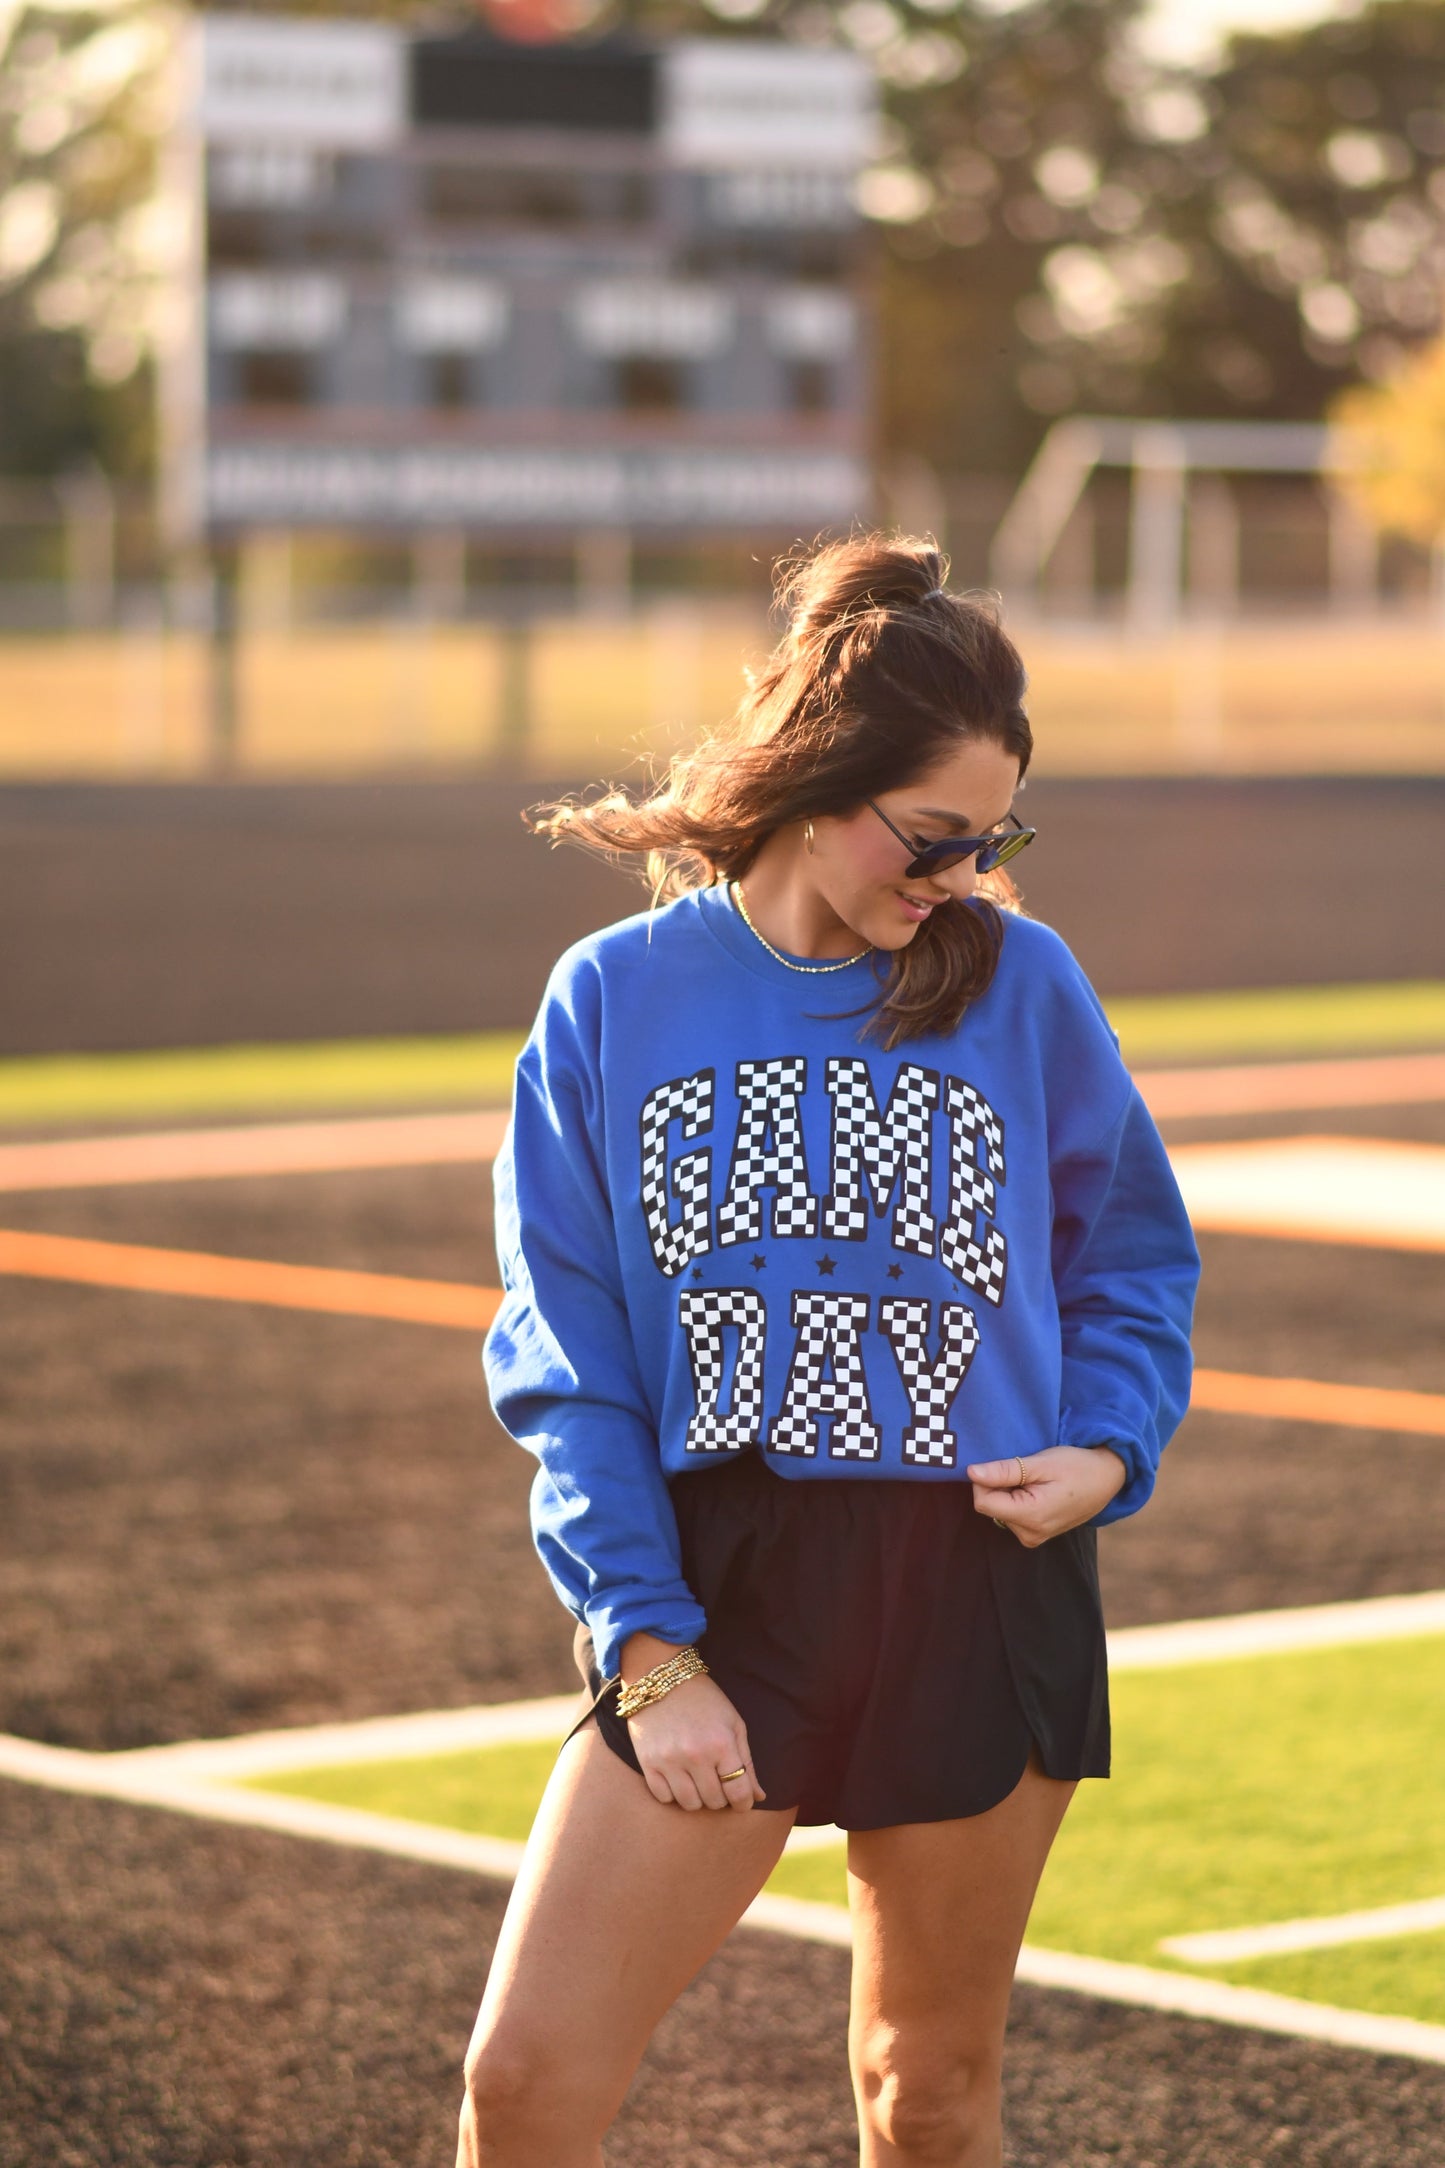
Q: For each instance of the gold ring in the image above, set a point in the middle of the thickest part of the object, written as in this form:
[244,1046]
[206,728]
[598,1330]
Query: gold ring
[1023,1474]
[725,1776]
[1000,1524]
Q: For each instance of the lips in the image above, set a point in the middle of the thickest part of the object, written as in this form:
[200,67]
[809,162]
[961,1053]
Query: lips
[913,909]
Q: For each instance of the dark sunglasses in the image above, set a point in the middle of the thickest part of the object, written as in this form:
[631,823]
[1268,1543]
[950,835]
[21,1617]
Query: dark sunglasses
[985,851]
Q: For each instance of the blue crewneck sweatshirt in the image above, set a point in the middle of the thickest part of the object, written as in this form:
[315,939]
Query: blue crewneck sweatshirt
[727,1222]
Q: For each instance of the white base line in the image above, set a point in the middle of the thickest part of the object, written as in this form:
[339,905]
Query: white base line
[1252,2006]
[1277,1633]
[65,1769]
[455,1731]
[1231,1945]
[373,1739]
[404,1140]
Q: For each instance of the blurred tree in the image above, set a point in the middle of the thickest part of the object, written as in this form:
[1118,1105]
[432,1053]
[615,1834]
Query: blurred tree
[1072,225]
[1063,222]
[1303,186]
[84,242]
[1389,448]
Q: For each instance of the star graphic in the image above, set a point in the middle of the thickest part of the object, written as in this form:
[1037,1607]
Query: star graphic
[827,1265]
[759,1261]
[895,1272]
[697,1272]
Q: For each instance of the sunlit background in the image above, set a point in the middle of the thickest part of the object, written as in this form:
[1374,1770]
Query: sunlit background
[1051,211]
[401,413]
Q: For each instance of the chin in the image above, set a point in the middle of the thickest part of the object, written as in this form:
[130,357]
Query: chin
[892,937]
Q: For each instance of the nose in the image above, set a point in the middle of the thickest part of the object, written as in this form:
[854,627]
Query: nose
[955,884]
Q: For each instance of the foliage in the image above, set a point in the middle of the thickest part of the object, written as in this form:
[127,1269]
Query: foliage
[1389,448]
[1070,224]
[1063,222]
[84,245]
[1310,211]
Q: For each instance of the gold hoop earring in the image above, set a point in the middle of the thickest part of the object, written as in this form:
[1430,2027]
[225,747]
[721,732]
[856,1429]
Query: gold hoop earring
[808,839]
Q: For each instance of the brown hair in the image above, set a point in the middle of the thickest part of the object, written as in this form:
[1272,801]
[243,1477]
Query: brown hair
[878,674]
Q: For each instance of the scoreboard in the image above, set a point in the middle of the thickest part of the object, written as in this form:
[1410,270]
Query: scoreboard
[447,281]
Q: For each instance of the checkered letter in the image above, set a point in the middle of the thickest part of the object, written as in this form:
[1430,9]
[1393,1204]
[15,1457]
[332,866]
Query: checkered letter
[702,1313]
[828,1328]
[882,1151]
[768,1154]
[975,1158]
[929,1383]
[687,1099]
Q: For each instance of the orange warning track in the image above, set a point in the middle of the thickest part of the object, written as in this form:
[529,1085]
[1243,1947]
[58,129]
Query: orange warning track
[415,1140]
[471,1309]
[187,1155]
[1305,1400]
[246,1279]
[1288,1087]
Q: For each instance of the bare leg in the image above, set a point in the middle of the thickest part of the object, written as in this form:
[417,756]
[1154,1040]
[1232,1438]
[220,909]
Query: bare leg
[619,1903]
[939,1911]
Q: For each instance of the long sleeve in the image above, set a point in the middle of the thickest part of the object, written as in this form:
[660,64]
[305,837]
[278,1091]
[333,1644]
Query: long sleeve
[1125,1270]
[561,1365]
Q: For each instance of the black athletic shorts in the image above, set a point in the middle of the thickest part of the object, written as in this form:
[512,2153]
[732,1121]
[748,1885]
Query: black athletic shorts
[893,1654]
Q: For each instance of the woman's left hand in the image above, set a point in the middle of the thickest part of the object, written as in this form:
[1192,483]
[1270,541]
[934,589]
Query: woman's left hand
[1062,1487]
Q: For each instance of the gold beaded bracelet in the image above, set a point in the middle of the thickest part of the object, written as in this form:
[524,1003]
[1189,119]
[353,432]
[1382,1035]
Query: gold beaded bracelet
[687,1664]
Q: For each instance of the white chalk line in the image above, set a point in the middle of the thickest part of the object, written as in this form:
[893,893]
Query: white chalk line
[1282,1938]
[382,1140]
[202,1778]
[96,1775]
[1231,1638]
[1242,1634]
[1367,1190]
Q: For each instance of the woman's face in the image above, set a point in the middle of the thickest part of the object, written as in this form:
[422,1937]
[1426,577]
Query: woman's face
[859,868]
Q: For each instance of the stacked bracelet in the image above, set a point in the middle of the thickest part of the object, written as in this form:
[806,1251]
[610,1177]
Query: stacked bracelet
[687,1664]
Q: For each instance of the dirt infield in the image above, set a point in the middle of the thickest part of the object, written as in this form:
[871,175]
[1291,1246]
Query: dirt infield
[193,914]
[222,1519]
[186,1996]
[219,1519]
[227,1518]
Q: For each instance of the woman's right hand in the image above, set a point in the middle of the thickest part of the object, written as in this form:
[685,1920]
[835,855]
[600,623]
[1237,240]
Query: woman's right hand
[687,1741]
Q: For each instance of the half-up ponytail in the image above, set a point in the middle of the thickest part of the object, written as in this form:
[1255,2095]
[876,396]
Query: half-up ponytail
[879,673]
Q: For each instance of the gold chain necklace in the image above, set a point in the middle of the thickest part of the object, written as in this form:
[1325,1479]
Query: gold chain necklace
[817,970]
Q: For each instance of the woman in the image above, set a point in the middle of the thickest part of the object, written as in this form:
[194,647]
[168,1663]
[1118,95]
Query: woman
[847,1292]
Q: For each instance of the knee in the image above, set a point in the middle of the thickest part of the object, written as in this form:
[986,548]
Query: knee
[502,2087]
[928,2103]
[522,2095]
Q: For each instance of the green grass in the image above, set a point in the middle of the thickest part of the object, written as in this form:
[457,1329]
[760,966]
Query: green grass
[1260,1789]
[1405,1978]
[1263,1789]
[476,1069]
[487,1791]
[1281,1022]
[226,1080]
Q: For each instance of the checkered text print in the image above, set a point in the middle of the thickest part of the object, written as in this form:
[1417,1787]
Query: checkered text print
[768,1154]
[930,1383]
[975,1159]
[828,1328]
[702,1313]
[689,1100]
[883,1151]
